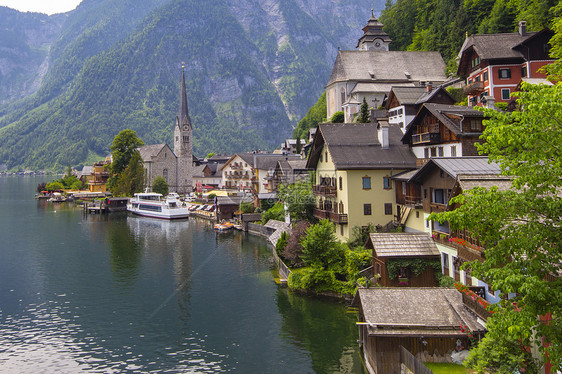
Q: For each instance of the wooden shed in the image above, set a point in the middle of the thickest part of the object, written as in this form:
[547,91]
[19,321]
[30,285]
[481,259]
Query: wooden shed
[398,250]
[430,323]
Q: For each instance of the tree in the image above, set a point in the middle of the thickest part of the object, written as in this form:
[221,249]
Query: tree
[364,113]
[320,248]
[159,185]
[292,251]
[122,149]
[298,146]
[131,180]
[338,117]
[299,199]
[520,230]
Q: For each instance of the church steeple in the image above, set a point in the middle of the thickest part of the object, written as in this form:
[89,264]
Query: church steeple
[183,113]
[374,38]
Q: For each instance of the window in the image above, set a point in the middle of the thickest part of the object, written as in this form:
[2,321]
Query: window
[386,183]
[439,196]
[504,73]
[475,125]
[320,157]
[445,257]
[417,214]
[342,96]
[165,174]
[440,150]
[366,183]
[505,93]
[477,79]
[341,183]
[326,158]
[367,209]
[485,76]
[426,153]
[433,151]
[425,193]
[388,208]
[341,229]
[404,188]
[524,72]
[453,151]
[186,139]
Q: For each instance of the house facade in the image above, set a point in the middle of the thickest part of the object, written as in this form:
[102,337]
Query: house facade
[494,64]
[238,172]
[440,130]
[353,166]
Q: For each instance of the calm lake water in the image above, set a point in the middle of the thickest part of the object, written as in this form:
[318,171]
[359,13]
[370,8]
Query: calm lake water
[118,293]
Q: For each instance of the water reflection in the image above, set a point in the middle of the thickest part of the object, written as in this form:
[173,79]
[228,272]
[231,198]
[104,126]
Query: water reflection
[324,329]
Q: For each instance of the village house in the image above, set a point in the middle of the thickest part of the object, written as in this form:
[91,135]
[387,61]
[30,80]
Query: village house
[371,71]
[288,172]
[237,172]
[353,166]
[207,176]
[401,324]
[403,103]
[176,166]
[436,183]
[391,252]
[264,169]
[440,130]
[494,64]
[95,176]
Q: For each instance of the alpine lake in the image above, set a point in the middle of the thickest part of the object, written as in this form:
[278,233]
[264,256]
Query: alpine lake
[118,293]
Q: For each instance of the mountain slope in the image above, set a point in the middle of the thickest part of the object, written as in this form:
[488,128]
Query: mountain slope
[252,66]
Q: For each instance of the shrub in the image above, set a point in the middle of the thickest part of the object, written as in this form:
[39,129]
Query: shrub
[338,117]
[160,185]
[276,212]
[293,250]
[247,208]
[281,243]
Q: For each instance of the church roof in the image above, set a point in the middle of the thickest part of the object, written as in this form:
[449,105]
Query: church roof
[388,67]
[148,152]
[183,113]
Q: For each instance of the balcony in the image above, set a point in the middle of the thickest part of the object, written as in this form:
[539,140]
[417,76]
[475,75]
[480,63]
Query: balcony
[322,190]
[426,138]
[338,218]
[474,88]
[413,201]
[465,249]
[320,214]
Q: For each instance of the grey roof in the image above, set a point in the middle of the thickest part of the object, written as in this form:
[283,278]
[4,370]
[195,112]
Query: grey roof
[388,67]
[412,311]
[87,170]
[273,224]
[378,87]
[198,171]
[445,114]
[402,244]
[468,182]
[453,166]
[148,152]
[269,161]
[408,95]
[405,175]
[495,46]
[233,200]
[356,146]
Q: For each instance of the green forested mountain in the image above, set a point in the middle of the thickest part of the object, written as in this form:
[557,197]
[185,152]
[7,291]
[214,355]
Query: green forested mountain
[429,25]
[253,67]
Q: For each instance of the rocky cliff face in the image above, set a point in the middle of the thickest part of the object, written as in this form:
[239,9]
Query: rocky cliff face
[253,68]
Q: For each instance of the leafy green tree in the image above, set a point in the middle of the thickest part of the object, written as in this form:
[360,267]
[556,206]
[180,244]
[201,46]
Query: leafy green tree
[364,113]
[122,149]
[320,248]
[53,186]
[360,235]
[131,180]
[520,229]
[247,207]
[299,199]
[159,185]
[338,117]
[210,154]
[276,212]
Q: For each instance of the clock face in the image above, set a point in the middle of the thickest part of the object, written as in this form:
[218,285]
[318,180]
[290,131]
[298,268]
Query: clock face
[378,43]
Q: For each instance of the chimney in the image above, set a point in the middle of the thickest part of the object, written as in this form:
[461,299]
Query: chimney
[428,87]
[522,28]
[384,128]
[489,102]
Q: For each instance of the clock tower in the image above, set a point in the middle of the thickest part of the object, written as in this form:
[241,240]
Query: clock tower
[374,38]
[183,143]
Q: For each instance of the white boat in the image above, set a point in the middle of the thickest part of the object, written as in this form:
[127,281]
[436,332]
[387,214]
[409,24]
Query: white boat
[151,204]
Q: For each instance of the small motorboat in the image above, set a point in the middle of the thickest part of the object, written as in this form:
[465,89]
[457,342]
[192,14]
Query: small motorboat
[224,226]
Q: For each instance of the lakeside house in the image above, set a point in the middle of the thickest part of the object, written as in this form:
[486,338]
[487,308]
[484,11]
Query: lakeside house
[353,165]
[429,323]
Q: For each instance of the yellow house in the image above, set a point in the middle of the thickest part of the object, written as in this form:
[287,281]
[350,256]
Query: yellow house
[354,164]
[98,178]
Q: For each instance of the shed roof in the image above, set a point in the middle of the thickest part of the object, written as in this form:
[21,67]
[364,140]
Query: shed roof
[453,166]
[356,146]
[412,311]
[393,66]
[402,244]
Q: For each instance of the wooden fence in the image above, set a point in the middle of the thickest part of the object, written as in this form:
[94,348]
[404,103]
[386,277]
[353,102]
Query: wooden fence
[412,363]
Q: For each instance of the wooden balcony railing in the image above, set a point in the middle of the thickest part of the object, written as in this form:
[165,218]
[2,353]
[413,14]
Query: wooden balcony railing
[465,250]
[338,218]
[322,190]
[412,201]
[320,214]
[426,137]
[474,88]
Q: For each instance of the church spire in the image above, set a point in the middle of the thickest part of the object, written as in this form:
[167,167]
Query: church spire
[374,38]
[183,114]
